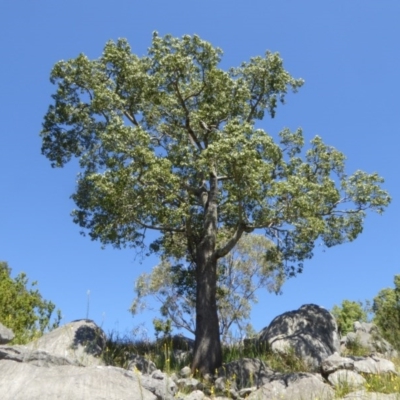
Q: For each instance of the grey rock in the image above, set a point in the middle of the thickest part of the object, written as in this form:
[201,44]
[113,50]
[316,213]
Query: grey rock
[369,337]
[182,342]
[220,384]
[141,364]
[158,374]
[6,334]
[247,372]
[182,356]
[196,395]
[367,327]
[226,387]
[81,341]
[311,331]
[247,391]
[185,372]
[368,365]
[159,384]
[221,398]
[364,395]
[23,381]
[272,390]
[346,378]
[39,358]
[13,353]
[189,384]
[174,377]
[374,365]
[308,387]
[299,386]
[335,362]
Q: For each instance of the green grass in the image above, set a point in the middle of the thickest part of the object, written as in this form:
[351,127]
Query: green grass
[355,348]
[383,383]
[280,362]
[120,348]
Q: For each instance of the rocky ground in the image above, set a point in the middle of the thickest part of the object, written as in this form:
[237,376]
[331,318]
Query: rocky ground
[67,364]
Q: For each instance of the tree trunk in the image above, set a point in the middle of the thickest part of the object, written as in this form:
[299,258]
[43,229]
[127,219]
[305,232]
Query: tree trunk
[207,349]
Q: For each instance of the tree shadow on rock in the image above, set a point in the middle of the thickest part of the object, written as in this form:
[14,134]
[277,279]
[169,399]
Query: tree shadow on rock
[91,338]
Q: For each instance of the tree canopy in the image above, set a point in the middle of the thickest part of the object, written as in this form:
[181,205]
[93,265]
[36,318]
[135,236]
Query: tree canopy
[22,308]
[169,142]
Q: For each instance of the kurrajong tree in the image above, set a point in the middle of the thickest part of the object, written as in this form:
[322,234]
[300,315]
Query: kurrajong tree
[168,142]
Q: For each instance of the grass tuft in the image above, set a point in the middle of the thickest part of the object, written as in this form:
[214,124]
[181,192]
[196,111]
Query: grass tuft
[120,349]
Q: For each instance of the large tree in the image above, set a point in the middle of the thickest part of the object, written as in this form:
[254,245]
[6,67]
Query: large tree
[168,142]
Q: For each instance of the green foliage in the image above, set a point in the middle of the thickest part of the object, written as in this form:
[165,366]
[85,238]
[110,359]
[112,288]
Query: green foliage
[169,142]
[22,307]
[348,313]
[386,306]
[162,328]
[158,127]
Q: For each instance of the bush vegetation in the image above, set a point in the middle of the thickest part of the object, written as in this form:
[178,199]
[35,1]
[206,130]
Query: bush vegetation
[22,307]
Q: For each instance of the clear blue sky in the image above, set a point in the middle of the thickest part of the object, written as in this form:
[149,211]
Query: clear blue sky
[348,52]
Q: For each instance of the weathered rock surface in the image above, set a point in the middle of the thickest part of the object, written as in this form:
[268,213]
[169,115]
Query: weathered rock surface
[374,365]
[335,362]
[38,357]
[367,365]
[80,341]
[6,335]
[247,372]
[298,386]
[311,331]
[368,336]
[363,395]
[65,364]
[22,381]
[185,372]
[160,384]
[347,378]
[196,395]
[189,384]
[141,364]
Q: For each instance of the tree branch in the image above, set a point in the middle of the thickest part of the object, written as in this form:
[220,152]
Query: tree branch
[131,118]
[253,108]
[159,228]
[231,243]
[192,136]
